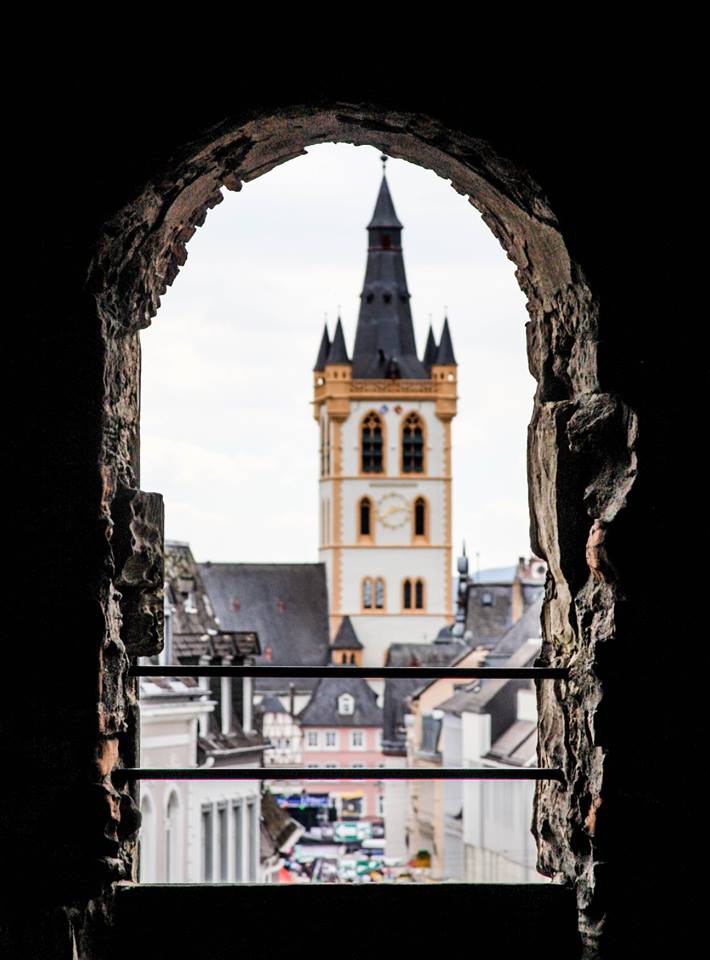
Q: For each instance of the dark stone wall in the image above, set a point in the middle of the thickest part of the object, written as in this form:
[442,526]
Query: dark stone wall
[103,228]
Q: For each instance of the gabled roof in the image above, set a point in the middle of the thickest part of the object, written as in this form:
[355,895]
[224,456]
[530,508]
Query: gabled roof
[322,709]
[271,705]
[346,638]
[286,604]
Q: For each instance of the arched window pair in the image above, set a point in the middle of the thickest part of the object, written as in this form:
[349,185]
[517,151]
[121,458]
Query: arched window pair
[413,444]
[373,593]
[372,444]
[413,594]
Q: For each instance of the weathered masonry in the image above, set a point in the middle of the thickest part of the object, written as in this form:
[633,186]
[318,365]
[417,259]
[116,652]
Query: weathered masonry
[117,178]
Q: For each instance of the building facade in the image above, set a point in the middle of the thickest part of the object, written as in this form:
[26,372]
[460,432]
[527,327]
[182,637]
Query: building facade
[384,417]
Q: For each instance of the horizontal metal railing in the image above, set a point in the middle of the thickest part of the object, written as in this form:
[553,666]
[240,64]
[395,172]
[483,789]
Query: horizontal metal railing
[371,673]
[125,775]
[337,773]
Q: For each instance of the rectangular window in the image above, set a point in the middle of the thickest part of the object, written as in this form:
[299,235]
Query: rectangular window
[207,838]
[238,824]
[331,740]
[223,848]
[357,740]
[312,739]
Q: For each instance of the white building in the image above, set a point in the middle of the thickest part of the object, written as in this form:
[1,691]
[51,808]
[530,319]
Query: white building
[385,460]
[194,831]
[493,723]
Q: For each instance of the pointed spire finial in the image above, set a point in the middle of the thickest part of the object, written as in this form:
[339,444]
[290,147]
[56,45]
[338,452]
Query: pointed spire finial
[384,158]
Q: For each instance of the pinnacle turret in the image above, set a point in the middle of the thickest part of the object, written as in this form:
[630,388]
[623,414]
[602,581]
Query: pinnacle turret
[338,352]
[323,350]
[445,353]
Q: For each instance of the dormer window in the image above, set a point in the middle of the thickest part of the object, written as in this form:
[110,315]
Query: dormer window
[487,599]
[346,705]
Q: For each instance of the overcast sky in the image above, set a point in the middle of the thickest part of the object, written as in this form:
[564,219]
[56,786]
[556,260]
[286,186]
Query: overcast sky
[227,431]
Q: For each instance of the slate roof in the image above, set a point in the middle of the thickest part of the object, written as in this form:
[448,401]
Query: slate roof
[286,604]
[429,350]
[517,746]
[489,603]
[528,627]
[346,638]
[272,705]
[322,709]
[398,691]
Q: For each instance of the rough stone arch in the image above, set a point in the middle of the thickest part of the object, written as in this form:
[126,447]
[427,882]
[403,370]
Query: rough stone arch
[576,492]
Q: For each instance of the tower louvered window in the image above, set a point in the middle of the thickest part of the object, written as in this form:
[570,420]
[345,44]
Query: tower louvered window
[412,445]
[372,444]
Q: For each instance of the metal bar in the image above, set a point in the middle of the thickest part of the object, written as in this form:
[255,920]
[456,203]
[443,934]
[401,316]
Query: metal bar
[128,774]
[386,673]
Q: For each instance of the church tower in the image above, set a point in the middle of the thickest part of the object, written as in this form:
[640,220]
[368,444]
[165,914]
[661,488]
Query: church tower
[385,459]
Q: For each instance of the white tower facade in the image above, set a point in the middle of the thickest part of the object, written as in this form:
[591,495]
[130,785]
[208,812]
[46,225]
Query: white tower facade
[385,461]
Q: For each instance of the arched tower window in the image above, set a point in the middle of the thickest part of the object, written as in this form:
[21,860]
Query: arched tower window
[371,447]
[367,593]
[379,593]
[419,595]
[365,518]
[420,517]
[407,595]
[413,444]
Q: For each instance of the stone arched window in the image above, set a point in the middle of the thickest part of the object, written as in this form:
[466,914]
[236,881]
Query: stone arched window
[379,593]
[372,444]
[367,593]
[413,444]
[407,594]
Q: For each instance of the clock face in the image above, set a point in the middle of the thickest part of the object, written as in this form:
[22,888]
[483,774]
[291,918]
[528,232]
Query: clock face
[392,510]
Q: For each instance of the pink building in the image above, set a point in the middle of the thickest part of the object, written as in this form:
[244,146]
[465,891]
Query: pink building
[342,727]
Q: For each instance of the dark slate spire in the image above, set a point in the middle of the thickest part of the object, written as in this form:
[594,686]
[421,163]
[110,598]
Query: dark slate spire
[429,350]
[445,353]
[346,638]
[384,215]
[323,350]
[384,340]
[338,352]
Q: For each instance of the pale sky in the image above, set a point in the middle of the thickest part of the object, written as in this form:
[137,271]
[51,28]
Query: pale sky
[228,435]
